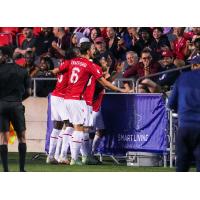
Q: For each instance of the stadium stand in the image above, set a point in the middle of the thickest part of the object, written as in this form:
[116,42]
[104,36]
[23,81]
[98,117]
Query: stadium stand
[6,39]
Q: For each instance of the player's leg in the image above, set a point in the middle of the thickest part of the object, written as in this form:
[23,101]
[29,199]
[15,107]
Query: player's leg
[4,150]
[4,131]
[196,147]
[22,148]
[58,145]
[57,127]
[66,139]
[99,127]
[85,148]
[67,133]
[18,121]
[182,151]
[76,110]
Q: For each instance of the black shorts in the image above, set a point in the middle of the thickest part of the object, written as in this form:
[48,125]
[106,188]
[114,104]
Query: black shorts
[12,112]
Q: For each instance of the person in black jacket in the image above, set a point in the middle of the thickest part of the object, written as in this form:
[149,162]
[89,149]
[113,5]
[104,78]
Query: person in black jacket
[14,84]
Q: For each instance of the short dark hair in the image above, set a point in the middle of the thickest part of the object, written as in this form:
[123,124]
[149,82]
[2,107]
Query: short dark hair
[146,50]
[158,28]
[196,40]
[70,53]
[85,46]
[28,28]
[48,61]
[6,50]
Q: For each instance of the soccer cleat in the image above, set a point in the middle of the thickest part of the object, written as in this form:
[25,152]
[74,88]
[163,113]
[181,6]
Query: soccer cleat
[63,161]
[84,160]
[94,161]
[51,160]
[75,162]
[90,160]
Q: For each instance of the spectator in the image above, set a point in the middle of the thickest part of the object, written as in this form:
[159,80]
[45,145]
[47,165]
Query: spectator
[115,44]
[164,81]
[75,39]
[100,46]
[60,46]
[44,41]
[94,33]
[159,43]
[196,51]
[44,87]
[131,60]
[28,62]
[145,39]
[131,38]
[180,46]
[28,44]
[146,67]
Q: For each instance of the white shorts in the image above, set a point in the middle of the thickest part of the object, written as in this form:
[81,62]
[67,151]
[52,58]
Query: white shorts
[89,117]
[58,111]
[77,110]
[98,122]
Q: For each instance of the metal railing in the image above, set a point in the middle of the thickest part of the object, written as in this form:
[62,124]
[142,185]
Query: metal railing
[39,79]
[117,82]
[159,73]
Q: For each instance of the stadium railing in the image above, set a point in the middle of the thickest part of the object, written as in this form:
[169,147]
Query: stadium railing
[39,79]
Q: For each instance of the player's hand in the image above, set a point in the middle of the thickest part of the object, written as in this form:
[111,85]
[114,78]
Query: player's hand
[123,90]
[54,44]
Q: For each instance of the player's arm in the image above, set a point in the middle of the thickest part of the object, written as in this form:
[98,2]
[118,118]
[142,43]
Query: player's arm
[109,85]
[27,86]
[55,71]
[173,99]
[62,68]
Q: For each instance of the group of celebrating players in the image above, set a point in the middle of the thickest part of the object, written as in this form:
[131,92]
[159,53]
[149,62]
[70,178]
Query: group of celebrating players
[76,108]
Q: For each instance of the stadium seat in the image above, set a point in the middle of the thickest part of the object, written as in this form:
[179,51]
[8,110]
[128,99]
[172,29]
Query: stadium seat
[36,30]
[5,39]
[19,39]
[12,30]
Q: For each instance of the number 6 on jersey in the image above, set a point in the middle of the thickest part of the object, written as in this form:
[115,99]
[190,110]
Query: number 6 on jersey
[74,76]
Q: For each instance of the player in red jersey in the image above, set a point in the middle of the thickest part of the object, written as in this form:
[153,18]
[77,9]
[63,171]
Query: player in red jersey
[58,115]
[60,138]
[80,70]
[88,124]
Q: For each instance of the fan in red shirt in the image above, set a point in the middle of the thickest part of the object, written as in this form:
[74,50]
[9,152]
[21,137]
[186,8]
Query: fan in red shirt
[80,70]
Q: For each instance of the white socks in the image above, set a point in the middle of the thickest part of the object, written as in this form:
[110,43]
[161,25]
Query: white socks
[66,139]
[77,139]
[53,142]
[85,147]
[59,145]
[95,143]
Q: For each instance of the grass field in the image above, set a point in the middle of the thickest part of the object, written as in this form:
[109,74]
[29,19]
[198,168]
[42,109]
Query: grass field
[39,165]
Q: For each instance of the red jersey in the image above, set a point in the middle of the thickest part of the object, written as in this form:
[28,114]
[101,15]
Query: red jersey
[62,82]
[80,70]
[89,92]
[179,47]
[96,105]
[21,62]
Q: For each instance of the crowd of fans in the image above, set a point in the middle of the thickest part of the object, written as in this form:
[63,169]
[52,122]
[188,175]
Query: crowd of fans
[123,52]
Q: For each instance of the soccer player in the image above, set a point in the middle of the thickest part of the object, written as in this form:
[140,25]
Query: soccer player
[58,115]
[60,137]
[14,83]
[80,70]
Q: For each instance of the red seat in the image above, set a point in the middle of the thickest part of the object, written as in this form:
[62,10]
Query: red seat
[36,30]
[5,39]
[12,30]
[19,39]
